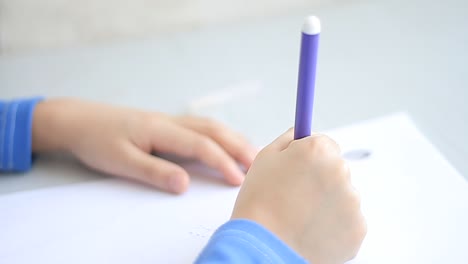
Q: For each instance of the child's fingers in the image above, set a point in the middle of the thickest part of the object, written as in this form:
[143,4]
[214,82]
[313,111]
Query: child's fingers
[155,171]
[235,144]
[175,139]
[319,142]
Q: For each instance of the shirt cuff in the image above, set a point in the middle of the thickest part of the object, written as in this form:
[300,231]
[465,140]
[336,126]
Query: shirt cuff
[16,118]
[244,241]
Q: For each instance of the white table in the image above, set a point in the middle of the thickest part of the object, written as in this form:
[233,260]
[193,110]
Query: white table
[376,57]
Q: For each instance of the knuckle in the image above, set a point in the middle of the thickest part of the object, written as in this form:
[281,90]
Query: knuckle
[203,146]
[211,126]
[355,203]
[354,200]
[314,142]
[303,149]
[239,146]
[342,169]
[317,145]
[147,120]
[242,139]
[326,145]
[296,145]
[321,139]
[363,229]
[338,173]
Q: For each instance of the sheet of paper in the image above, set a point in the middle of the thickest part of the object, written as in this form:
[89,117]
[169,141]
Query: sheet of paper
[415,203]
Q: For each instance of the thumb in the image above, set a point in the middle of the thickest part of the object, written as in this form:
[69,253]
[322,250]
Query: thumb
[155,171]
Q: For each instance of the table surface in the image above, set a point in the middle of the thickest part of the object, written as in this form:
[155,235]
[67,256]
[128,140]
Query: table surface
[376,57]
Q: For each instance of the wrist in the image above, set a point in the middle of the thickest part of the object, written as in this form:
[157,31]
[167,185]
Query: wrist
[49,127]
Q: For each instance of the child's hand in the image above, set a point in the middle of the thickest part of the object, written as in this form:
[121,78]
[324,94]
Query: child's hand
[301,191]
[119,141]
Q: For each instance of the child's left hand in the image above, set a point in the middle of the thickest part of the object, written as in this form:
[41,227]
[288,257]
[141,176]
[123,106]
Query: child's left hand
[119,141]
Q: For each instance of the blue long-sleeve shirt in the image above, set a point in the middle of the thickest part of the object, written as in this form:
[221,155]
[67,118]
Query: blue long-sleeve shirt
[244,241]
[237,241]
[16,134]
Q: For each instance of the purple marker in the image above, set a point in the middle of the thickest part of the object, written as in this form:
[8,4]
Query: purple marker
[306,82]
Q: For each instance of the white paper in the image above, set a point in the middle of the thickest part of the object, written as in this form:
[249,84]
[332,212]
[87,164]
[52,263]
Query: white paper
[415,203]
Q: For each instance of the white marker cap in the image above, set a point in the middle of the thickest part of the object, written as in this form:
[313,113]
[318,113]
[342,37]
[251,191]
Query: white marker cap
[311,25]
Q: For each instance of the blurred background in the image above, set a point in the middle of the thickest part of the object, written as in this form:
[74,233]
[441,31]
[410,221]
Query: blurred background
[237,61]
[29,25]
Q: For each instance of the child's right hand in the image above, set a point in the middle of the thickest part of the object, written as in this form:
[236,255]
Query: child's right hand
[301,191]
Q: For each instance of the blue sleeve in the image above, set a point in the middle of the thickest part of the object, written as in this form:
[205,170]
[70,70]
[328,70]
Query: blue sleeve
[16,134]
[244,241]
